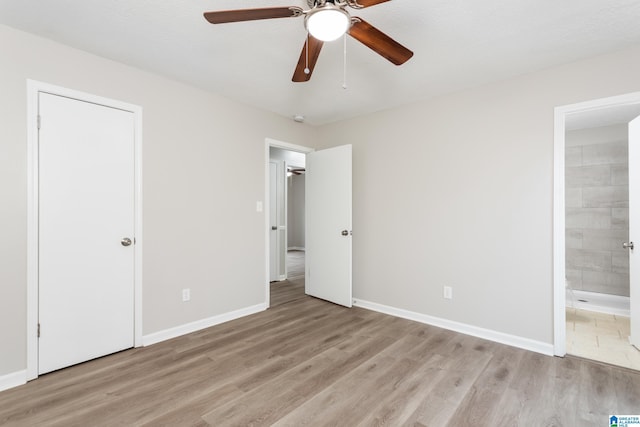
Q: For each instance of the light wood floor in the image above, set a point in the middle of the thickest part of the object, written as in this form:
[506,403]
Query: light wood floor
[286,291]
[308,362]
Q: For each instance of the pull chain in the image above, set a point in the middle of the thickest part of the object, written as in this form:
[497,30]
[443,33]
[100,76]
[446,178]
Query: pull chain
[344,75]
[306,68]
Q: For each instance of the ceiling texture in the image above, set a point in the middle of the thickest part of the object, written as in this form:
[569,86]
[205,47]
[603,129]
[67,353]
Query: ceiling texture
[457,44]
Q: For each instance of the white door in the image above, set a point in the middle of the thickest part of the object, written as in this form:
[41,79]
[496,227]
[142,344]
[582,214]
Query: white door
[277,221]
[86,209]
[273,221]
[328,225]
[634,228]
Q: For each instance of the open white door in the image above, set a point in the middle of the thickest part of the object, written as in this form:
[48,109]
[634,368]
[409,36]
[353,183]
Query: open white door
[634,227]
[277,221]
[328,225]
[273,222]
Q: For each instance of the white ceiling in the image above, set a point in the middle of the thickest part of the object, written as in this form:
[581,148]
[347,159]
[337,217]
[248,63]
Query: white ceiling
[457,44]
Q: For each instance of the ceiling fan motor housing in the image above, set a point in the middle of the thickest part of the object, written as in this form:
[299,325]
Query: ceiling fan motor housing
[327,22]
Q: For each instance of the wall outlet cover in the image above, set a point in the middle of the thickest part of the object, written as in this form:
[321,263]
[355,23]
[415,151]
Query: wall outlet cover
[448,292]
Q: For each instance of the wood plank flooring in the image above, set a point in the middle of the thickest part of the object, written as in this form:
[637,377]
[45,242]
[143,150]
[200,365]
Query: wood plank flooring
[307,362]
[286,291]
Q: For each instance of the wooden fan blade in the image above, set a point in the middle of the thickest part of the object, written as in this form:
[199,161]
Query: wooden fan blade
[224,16]
[307,61]
[378,41]
[367,3]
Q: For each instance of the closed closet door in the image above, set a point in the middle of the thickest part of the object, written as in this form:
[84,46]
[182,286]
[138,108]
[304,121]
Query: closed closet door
[86,231]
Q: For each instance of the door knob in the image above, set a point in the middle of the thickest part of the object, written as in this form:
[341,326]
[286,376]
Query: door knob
[273,227]
[628,245]
[125,241]
[345,232]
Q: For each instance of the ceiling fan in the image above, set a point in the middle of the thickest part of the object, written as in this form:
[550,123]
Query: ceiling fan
[295,171]
[326,20]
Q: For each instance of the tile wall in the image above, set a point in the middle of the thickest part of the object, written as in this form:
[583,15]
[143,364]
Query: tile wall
[597,209]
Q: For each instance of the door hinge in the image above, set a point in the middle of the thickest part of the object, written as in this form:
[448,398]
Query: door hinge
[39,121]
[38,330]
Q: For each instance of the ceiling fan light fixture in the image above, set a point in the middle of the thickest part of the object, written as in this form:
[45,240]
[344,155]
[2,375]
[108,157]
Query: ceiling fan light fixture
[327,23]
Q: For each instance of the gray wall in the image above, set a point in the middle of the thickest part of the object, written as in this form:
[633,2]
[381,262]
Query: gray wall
[295,213]
[199,210]
[458,191]
[597,209]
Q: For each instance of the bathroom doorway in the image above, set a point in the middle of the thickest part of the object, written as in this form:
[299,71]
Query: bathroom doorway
[593,314]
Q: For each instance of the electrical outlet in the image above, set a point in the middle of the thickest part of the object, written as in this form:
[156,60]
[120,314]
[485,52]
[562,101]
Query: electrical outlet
[186,295]
[448,292]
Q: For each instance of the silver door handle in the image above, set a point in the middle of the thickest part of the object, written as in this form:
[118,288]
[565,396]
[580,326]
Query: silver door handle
[125,241]
[628,245]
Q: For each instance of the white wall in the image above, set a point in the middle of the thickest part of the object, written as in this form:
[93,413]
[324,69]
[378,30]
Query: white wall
[458,191]
[597,135]
[293,158]
[199,213]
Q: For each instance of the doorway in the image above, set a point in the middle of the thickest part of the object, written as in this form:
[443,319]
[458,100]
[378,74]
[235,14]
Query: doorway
[591,231]
[285,221]
[84,227]
[295,206]
[328,222]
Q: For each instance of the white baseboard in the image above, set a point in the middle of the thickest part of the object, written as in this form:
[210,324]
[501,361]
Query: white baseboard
[600,303]
[187,328]
[295,248]
[12,380]
[488,334]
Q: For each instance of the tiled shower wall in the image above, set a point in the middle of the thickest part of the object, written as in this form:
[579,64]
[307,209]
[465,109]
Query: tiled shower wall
[597,209]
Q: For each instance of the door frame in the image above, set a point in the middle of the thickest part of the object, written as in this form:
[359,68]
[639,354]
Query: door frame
[268,143]
[33,89]
[559,273]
